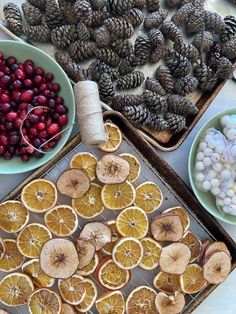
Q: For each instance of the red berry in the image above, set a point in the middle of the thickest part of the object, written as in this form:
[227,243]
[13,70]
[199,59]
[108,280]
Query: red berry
[24,157]
[61,109]
[38,112]
[3,140]
[16,95]
[39,71]
[33,131]
[27,95]
[30,62]
[5,107]
[11,60]
[29,70]
[56,87]
[4,98]
[53,129]
[28,83]
[43,134]
[11,115]
[63,120]
[17,84]
[20,74]
[1,55]
[2,149]
[42,100]
[38,80]
[5,80]
[49,77]
[40,126]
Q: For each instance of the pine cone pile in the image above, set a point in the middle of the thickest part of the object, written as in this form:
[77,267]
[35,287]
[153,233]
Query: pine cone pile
[13,18]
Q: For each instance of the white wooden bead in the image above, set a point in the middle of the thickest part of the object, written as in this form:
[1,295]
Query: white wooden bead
[230,193]
[212,144]
[215,182]
[225,174]
[206,185]
[199,176]
[225,120]
[222,195]
[220,202]
[208,152]
[202,146]
[207,161]
[200,156]
[227,201]
[215,191]
[232,209]
[227,166]
[211,174]
[233,150]
[199,166]
[220,149]
[217,167]
[234,199]
[215,157]
[231,134]
[226,209]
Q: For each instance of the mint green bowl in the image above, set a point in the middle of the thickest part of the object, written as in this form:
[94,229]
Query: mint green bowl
[22,52]
[207,200]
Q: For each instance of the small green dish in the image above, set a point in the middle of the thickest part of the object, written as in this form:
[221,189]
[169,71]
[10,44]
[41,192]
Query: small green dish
[22,52]
[207,200]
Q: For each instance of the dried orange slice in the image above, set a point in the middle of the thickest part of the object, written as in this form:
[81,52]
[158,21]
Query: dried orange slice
[148,196]
[134,164]
[141,300]
[72,290]
[67,309]
[37,275]
[44,301]
[2,248]
[192,280]
[182,214]
[85,162]
[31,239]
[111,302]
[90,268]
[13,216]
[61,220]
[39,195]
[118,196]
[193,243]
[15,289]
[114,138]
[90,205]
[107,249]
[167,282]
[151,253]
[132,222]
[90,295]
[111,276]
[127,253]
[12,258]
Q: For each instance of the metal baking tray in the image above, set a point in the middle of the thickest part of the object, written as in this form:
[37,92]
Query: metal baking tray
[155,169]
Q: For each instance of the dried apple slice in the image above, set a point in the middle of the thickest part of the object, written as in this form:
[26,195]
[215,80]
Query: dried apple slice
[112,169]
[167,227]
[214,247]
[170,304]
[86,251]
[205,243]
[217,267]
[2,248]
[97,233]
[174,258]
[73,183]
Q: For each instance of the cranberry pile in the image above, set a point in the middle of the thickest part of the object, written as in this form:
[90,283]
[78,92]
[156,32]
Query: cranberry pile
[24,86]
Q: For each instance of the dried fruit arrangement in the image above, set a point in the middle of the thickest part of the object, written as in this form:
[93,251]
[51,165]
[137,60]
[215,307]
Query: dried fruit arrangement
[109,31]
[110,252]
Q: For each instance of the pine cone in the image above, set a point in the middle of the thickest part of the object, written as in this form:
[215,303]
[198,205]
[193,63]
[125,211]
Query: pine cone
[229,30]
[207,41]
[186,85]
[176,123]
[82,50]
[33,15]
[157,122]
[119,7]
[68,11]
[41,33]
[106,89]
[206,77]
[196,21]
[13,18]
[121,101]
[41,4]
[82,32]
[133,59]
[157,54]
[122,47]
[130,80]
[233,1]
[53,17]
[125,67]
[137,115]
[214,22]
[97,68]
[96,18]
[155,86]
[224,69]
[154,19]
[179,65]
[166,79]
[155,102]
[181,105]
[182,15]
[63,36]
[153,5]
[134,17]
[142,49]
[140,4]
[82,10]
[102,37]
[156,37]
[171,31]
[108,56]
[98,4]
[214,55]
[120,27]
[229,49]
[187,50]
[172,3]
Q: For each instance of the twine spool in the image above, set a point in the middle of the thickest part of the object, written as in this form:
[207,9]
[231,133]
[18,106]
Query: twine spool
[89,112]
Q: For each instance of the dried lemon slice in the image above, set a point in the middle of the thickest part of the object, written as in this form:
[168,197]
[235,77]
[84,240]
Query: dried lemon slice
[141,300]
[39,195]
[114,138]
[44,301]
[192,280]
[167,282]
[86,162]
[111,302]
[134,164]
[2,248]
[90,296]
[72,290]
[12,258]
[151,253]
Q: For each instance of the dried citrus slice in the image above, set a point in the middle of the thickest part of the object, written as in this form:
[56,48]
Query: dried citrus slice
[134,164]
[90,295]
[151,253]
[127,253]
[15,289]
[44,301]
[192,280]
[2,248]
[148,196]
[107,249]
[111,302]
[193,243]
[13,216]
[141,300]
[31,239]
[167,282]
[90,205]
[111,276]
[182,214]
[132,222]
[39,195]
[118,196]
[61,220]
[72,290]
[67,309]
[12,258]
[114,138]
[37,275]
[90,268]
[86,162]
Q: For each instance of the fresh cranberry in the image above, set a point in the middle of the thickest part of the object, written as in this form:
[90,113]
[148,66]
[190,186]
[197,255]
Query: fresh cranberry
[42,100]
[36,143]
[38,112]
[28,83]
[53,129]
[5,80]
[59,100]
[2,149]
[46,93]
[20,74]
[11,149]
[61,109]
[27,95]
[5,107]
[11,116]
[29,62]
[21,66]
[52,144]
[43,134]
[52,95]
[57,137]
[63,120]
[33,131]
[51,103]
[39,71]
[1,55]
[55,116]
[3,140]
[13,139]
[3,127]
[27,124]
[40,126]
[38,154]
[6,69]
[29,70]
[11,60]
[29,149]
[14,105]
[17,84]
[56,87]
[49,85]
[22,114]
[1,73]
[38,80]
[36,91]
[4,98]
[7,155]
[13,67]
[49,77]
[33,118]
[43,87]
[18,122]
[24,157]
[24,106]
[16,95]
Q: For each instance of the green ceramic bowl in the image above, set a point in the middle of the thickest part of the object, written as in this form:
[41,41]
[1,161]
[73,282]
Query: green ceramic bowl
[22,52]
[207,200]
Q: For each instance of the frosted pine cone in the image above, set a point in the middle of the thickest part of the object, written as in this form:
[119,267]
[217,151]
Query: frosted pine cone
[13,18]
[134,17]
[120,101]
[206,77]
[33,15]
[182,15]
[41,33]
[172,3]
[207,41]
[63,36]
[186,85]
[214,22]
[108,56]
[181,105]
[68,11]
[119,7]
[41,4]
[136,115]
[98,4]
[83,32]
[229,30]
[153,5]
[106,89]
[229,49]
[120,27]
[171,31]
[82,9]
[122,47]
[179,65]
[142,49]
[175,122]
[224,69]
[157,54]
[157,122]
[166,79]
[53,17]
[156,37]
[80,50]
[102,37]
[130,80]
[125,67]
[196,21]
[187,50]
[155,102]
[154,19]
[155,86]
